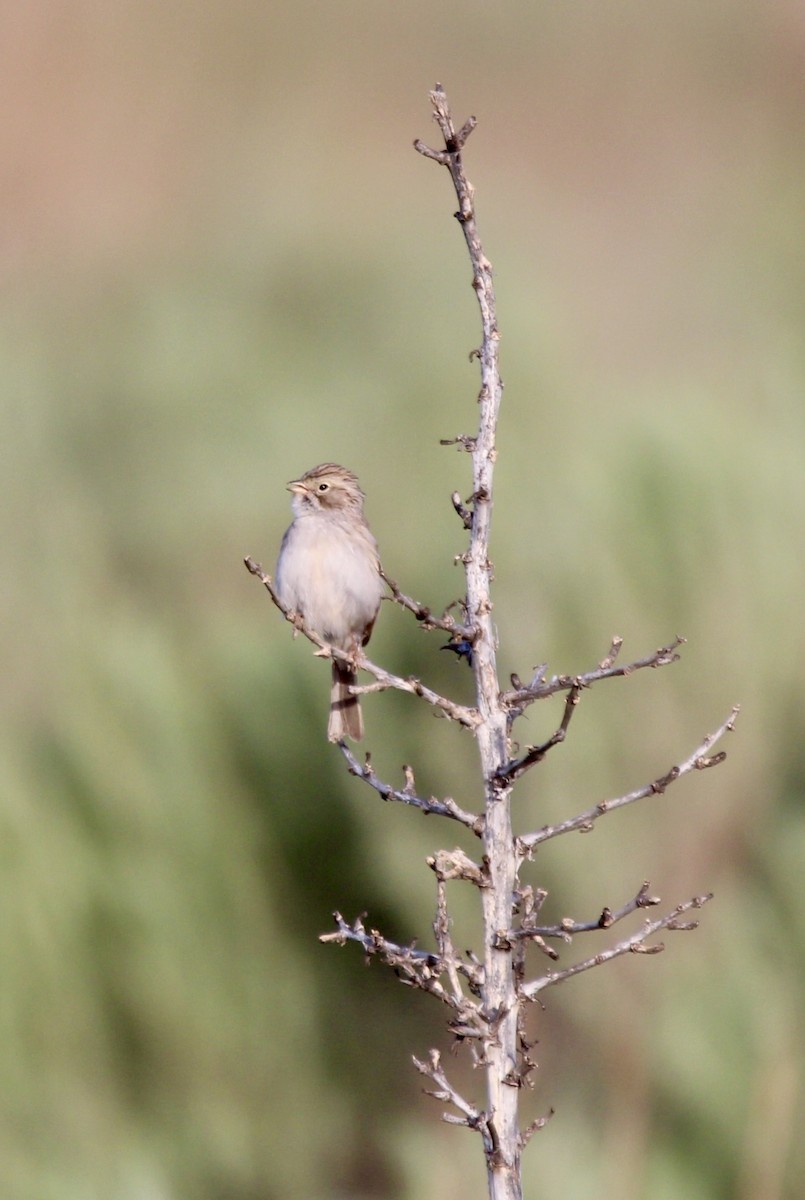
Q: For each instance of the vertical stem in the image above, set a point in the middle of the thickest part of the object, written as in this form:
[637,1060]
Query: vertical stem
[500,1000]
[499,994]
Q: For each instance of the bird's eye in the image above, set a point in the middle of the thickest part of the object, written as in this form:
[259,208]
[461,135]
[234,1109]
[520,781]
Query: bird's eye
[323,487]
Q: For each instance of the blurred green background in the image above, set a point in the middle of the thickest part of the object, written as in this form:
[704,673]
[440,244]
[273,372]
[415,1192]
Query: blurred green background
[222,262]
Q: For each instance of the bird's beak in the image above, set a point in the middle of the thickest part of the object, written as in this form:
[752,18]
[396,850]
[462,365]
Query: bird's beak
[297,487]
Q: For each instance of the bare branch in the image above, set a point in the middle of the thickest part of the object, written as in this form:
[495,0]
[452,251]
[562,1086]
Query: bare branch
[472,1117]
[454,140]
[499,995]
[424,614]
[407,795]
[455,864]
[538,689]
[517,684]
[635,944]
[528,904]
[613,652]
[699,760]
[534,754]
[534,1127]
[462,510]
[464,441]
[438,156]
[566,928]
[419,968]
[384,680]
[444,940]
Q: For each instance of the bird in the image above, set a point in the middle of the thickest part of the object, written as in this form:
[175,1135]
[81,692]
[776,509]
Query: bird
[328,573]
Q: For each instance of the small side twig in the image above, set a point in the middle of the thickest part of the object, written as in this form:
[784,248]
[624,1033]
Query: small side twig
[699,760]
[444,939]
[429,805]
[464,441]
[636,943]
[455,864]
[534,1127]
[566,928]
[516,767]
[425,616]
[470,1116]
[419,968]
[462,510]
[540,688]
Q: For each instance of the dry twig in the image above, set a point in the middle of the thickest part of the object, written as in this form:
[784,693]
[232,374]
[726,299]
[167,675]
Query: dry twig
[422,969]
[445,807]
[699,760]
[538,689]
[635,944]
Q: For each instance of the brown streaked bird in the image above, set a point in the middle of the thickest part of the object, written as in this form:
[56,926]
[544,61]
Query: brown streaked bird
[328,572]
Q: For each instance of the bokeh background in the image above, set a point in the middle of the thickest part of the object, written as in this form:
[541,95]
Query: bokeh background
[222,262]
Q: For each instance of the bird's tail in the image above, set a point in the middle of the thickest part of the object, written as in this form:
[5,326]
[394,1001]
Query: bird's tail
[346,718]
